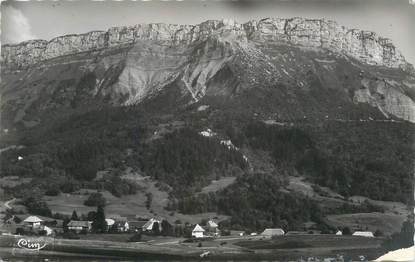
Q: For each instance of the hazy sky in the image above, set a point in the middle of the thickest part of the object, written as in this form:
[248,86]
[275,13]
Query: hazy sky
[21,21]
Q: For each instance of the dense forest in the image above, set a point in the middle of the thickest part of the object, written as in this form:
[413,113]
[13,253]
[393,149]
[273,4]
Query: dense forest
[257,201]
[371,159]
[368,159]
[187,161]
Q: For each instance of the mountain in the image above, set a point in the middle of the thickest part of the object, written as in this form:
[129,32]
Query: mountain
[271,122]
[294,67]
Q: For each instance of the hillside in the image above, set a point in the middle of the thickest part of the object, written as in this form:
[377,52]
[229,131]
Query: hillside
[251,106]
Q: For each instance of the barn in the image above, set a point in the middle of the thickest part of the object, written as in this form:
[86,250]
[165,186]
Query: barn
[270,232]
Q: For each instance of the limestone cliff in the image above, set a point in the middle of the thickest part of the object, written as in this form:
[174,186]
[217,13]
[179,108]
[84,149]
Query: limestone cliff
[281,68]
[313,33]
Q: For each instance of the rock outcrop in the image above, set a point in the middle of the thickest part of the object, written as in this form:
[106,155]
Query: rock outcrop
[364,46]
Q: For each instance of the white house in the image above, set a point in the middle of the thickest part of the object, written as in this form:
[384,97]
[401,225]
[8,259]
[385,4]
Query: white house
[33,222]
[198,231]
[339,233]
[110,223]
[269,232]
[363,234]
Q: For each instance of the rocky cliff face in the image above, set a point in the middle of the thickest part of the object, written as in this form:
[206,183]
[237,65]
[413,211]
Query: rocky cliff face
[279,68]
[361,45]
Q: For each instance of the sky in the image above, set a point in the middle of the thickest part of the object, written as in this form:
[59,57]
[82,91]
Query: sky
[20,21]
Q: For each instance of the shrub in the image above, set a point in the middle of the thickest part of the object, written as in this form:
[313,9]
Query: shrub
[52,192]
[95,199]
[346,231]
[378,233]
[135,238]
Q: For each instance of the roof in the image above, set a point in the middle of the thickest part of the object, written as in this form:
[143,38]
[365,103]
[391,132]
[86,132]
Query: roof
[32,219]
[149,224]
[363,233]
[120,219]
[198,229]
[74,223]
[109,221]
[273,232]
[137,223]
[212,223]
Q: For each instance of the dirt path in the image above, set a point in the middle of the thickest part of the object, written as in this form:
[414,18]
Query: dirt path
[8,203]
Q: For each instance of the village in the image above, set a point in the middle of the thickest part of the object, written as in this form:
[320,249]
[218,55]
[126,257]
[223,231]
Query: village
[137,236]
[137,226]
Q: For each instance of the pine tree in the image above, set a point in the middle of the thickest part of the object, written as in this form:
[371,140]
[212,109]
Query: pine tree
[74,216]
[166,228]
[99,224]
[156,228]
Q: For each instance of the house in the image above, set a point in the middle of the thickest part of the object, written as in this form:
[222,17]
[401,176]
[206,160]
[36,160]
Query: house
[136,226]
[110,223]
[212,227]
[33,222]
[121,224]
[79,226]
[149,225]
[270,232]
[198,231]
[339,233]
[363,234]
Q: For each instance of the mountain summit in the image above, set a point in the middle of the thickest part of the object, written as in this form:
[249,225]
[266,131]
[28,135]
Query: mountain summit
[294,67]
[365,46]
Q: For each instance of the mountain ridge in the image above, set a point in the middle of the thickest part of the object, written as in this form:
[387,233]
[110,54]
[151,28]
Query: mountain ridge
[365,46]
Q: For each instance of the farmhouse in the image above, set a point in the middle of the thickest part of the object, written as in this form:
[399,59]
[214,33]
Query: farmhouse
[136,225]
[79,226]
[121,224]
[149,226]
[33,222]
[212,227]
[269,232]
[110,223]
[198,231]
[363,234]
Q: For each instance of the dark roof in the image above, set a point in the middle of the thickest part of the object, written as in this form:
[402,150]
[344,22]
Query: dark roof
[120,219]
[74,223]
[137,223]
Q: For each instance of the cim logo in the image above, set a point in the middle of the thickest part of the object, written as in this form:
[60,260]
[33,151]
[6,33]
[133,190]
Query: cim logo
[29,244]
